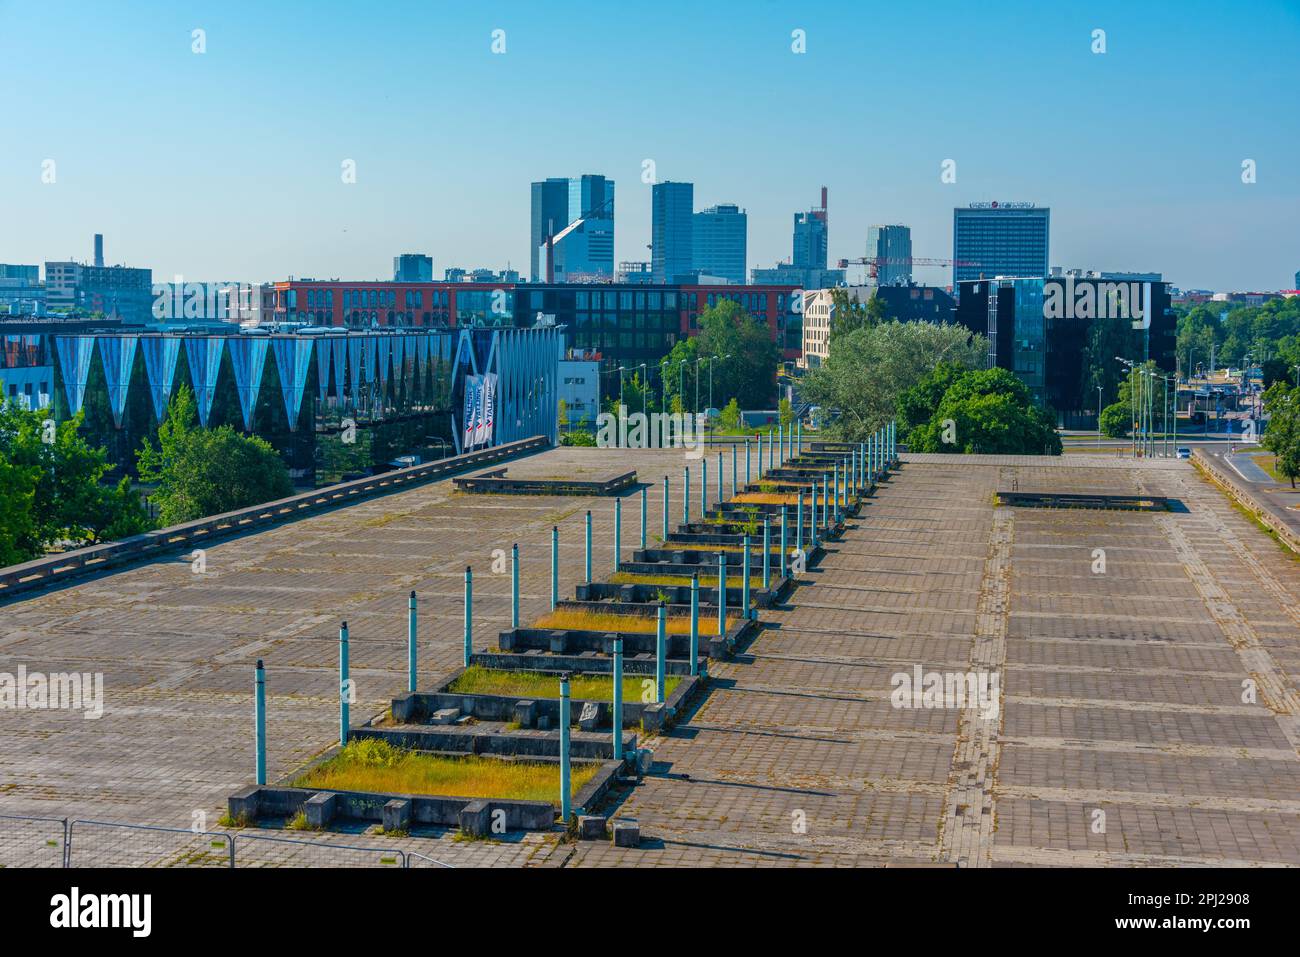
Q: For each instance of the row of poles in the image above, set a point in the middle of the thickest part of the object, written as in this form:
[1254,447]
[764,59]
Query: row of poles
[830,497]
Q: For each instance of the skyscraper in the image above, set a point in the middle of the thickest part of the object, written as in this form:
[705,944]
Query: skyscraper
[718,242]
[672,205]
[810,237]
[892,245]
[999,239]
[577,215]
[412,267]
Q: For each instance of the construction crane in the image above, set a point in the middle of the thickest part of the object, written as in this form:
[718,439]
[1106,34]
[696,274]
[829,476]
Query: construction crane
[548,247]
[873,263]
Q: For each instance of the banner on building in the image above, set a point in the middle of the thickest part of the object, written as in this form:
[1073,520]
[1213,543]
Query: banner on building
[486,417]
[472,390]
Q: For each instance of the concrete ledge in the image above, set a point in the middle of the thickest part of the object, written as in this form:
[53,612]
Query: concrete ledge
[1287,535]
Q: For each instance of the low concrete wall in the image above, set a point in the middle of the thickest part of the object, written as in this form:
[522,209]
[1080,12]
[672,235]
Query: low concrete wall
[85,561]
[1244,497]
[530,745]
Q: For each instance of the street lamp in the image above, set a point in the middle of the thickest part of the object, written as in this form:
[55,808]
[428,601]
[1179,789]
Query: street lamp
[1133,405]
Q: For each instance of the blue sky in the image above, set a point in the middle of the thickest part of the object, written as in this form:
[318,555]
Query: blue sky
[226,165]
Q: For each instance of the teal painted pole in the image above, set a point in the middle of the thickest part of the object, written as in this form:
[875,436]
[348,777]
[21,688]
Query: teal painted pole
[410,643]
[722,594]
[761,470]
[259,720]
[514,586]
[744,581]
[469,614]
[767,552]
[720,471]
[812,519]
[345,706]
[587,539]
[686,495]
[836,490]
[617,708]
[704,487]
[798,524]
[618,531]
[661,651]
[747,478]
[665,508]
[644,512]
[565,810]
[734,470]
[770,449]
[780,559]
[799,429]
[555,566]
[694,648]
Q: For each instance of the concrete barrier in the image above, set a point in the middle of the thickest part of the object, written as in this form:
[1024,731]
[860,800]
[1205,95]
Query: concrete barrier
[83,561]
[1244,497]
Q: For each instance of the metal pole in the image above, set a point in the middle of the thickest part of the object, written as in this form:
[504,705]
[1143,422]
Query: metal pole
[514,586]
[780,558]
[747,478]
[661,650]
[720,471]
[704,487]
[694,648]
[686,496]
[564,750]
[618,531]
[410,643]
[744,581]
[798,424]
[722,594]
[259,720]
[587,551]
[812,524]
[734,453]
[617,707]
[469,614]
[761,470]
[644,496]
[665,516]
[771,449]
[344,686]
[798,524]
[767,553]
[555,566]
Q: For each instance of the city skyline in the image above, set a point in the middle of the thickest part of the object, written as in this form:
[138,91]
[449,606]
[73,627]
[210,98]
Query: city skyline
[233,165]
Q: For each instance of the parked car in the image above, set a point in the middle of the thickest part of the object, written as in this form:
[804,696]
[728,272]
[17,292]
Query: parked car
[1183,453]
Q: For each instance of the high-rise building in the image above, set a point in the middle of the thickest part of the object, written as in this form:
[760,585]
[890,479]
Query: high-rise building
[412,267]
[99,249]
[810,237]
[573,224]
[891,247]
[999,239]
[21,291]
[672,206]
[718,242]
[1297,280]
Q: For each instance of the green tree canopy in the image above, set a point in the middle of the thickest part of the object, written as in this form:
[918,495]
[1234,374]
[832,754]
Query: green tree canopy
[747,374]
[201,472]
[868,369]
[1282,437]
[989,411]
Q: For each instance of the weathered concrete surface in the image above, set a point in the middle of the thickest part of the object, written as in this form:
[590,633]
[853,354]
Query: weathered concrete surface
[1123,690]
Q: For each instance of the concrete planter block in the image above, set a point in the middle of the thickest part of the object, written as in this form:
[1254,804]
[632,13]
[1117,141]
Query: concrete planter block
[397,815]
[245,804]
[475,818]
[627,592]
[320,809]
[404,709]
[652,718]
[627,833]
[559,644]
[644,759]
[445,716]
[592,827]
[593,716]
[526,713]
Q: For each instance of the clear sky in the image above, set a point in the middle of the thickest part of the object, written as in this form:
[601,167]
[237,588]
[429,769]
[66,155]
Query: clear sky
[226,165]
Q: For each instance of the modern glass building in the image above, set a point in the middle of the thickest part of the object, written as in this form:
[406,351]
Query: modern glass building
[893,246]
[412,267]
[810,239]
[672,206]
[999,239]
[718,242]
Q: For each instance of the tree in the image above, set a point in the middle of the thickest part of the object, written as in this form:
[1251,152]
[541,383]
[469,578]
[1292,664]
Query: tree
[868,369]
[729,417]
[917,404]
[1282,437]
[201,472]
[1117,419]
[18,536]
[68,505]
[988,412]
[785,412]
[748,375]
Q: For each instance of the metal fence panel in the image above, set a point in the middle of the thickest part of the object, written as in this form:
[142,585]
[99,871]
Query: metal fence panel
[32,841]
[263,850]
[416,859]
[107,844]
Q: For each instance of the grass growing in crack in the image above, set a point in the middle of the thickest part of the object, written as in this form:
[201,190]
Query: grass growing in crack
[534,684]
[372,765]
[566,619]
